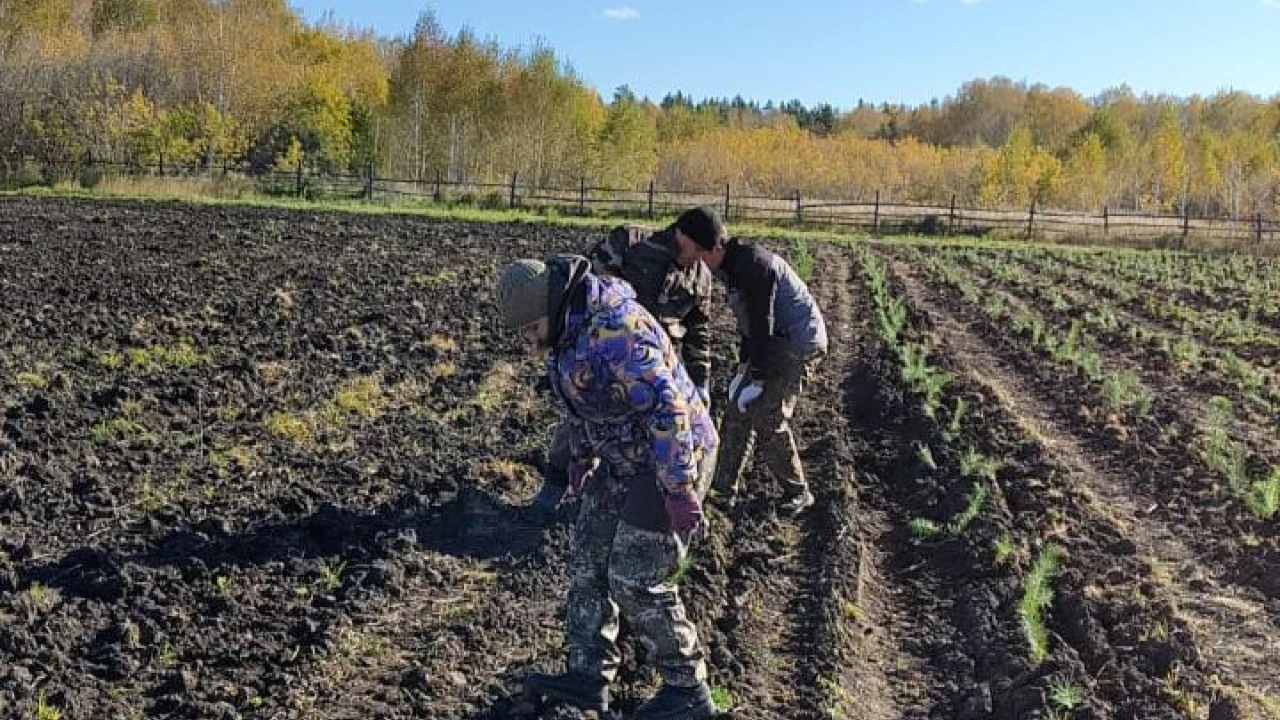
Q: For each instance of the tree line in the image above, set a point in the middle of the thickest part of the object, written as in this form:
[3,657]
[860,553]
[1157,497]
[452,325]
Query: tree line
[249,83]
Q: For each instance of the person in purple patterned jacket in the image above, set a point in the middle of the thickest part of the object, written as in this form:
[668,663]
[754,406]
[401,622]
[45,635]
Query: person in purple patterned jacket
[641,441]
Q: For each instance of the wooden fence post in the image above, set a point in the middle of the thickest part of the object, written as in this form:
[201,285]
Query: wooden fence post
[650,198]
[951,216]
[512,202]
[1031,219]
[1106,220]
[875,222]
[799,211]
[582,194]
[1257,224]
[368,187]
[438,196]
[726,201]
[1186,221]
[297,183]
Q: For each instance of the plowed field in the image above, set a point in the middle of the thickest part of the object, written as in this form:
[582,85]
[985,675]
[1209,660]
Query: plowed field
[274,464]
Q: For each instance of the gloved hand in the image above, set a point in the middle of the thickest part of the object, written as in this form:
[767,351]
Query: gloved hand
[736,382]
[580,474]
[750,394]
[684,510]
[704,392]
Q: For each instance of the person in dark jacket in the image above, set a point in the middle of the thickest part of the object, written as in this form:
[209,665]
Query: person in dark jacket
[639,436]
[678,297]
[783,340]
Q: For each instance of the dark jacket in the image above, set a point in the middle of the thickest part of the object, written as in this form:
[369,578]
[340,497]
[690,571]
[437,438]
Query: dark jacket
[680,298]
[777,317]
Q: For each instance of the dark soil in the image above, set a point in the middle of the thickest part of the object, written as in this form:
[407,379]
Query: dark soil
[274,464]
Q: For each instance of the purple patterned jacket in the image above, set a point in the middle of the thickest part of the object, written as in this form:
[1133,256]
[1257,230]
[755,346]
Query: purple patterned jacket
[629,399]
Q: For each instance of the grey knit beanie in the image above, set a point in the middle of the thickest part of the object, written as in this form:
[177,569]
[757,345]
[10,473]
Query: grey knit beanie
[522,293]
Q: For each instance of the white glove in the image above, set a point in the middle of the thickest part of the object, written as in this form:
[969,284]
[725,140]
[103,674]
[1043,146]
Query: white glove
[750,394]
[736,382]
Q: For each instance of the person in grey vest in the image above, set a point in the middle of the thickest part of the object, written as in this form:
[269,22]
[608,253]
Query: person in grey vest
[679,297]
[783,340]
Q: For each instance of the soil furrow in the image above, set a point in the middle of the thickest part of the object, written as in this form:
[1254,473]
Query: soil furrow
[847,640]
[1202,596]
[1160,441]
[1188,390]
[1159,370]
[786,575]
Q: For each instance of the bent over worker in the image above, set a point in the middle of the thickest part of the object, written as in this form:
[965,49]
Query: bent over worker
[638,436]
[678,297]
[783,340]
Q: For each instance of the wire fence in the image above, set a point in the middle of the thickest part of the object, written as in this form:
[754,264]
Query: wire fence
[875,216]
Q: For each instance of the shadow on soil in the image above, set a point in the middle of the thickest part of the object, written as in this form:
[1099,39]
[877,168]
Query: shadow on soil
[473,524]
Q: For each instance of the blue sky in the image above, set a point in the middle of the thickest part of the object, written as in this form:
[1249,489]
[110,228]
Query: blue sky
[878,50]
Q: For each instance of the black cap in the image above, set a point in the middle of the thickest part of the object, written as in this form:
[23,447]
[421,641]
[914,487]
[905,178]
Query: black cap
[702,225]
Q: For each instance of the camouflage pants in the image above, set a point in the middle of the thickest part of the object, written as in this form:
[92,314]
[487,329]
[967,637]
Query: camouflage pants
[768,423]
[617,568]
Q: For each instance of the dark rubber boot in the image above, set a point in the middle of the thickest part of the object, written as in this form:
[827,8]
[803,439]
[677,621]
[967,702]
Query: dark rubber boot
[678,703]
[580,691]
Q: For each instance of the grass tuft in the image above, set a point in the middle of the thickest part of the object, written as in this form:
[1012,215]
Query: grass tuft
[977,500]
[1037,596]
[924,528]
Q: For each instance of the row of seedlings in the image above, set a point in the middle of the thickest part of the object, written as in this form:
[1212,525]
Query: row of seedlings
[1091,648]
[1249,474]
[1131,407]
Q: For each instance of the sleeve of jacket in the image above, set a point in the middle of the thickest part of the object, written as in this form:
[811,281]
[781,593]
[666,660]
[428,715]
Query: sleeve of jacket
[695,349]
[758,287]
[649,381]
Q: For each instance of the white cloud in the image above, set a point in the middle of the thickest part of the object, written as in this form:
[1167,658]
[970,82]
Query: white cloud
[621,13]
[1271,3]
